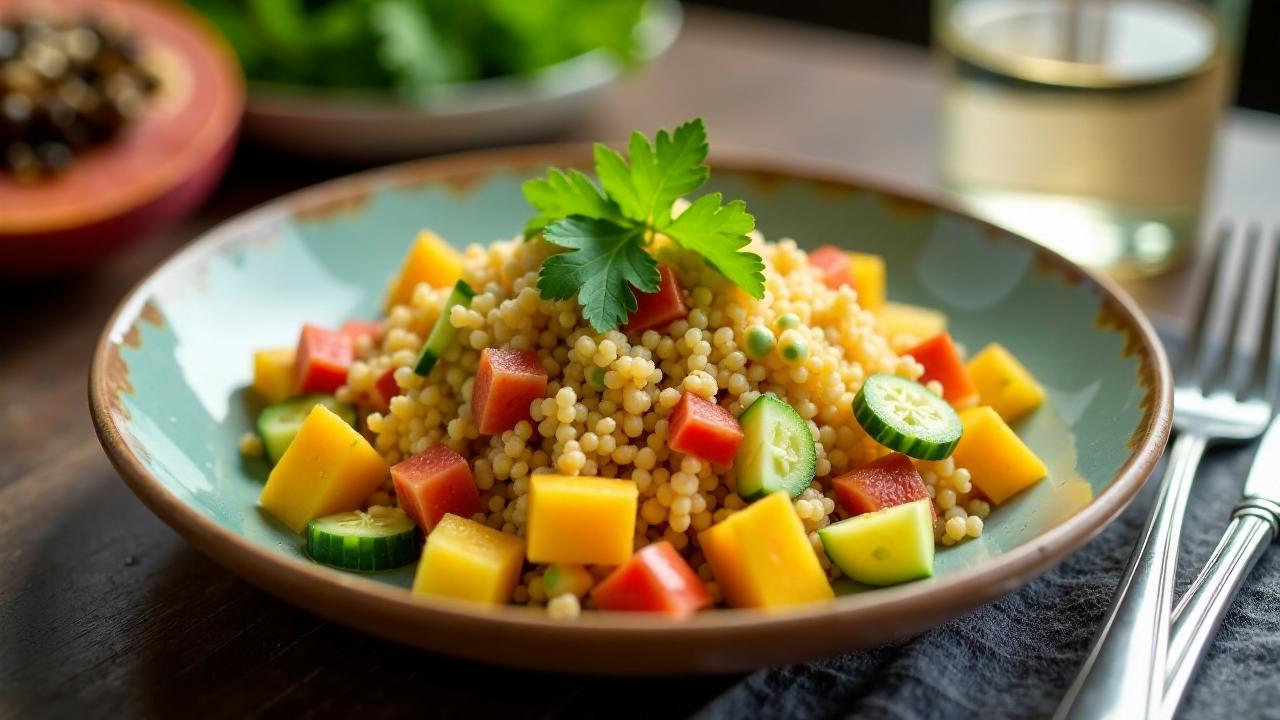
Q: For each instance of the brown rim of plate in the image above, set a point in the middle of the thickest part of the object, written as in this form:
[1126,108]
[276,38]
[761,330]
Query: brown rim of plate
[337,594]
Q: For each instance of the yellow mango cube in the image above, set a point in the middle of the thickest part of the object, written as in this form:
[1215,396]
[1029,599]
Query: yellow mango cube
[328,468]
[430,260]
[909,325]
[868,279]
[583,520]
[466,560]
[761,556]
[273,374]
[1004,383]
[1000,464]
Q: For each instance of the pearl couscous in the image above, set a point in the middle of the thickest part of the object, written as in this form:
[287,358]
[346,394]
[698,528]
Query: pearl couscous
[582,464]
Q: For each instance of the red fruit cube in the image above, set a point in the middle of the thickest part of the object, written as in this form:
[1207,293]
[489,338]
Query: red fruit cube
[705,429]
[435,483]
[654,579]
[941,361]
[384,389]
[323,358]
[506,383]
[660,308]
[356,329]
[834,264]
[891,480]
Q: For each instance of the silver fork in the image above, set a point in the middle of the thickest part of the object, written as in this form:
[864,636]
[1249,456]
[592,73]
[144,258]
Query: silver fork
[1215,400]
[1255,521]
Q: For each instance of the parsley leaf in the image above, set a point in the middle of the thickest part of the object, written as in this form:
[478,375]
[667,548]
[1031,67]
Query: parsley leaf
[606,260]
[648,187]
[607,232]
[718,234]
[562,194]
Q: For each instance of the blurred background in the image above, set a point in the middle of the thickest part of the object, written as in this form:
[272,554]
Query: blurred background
[1092,126]
[1114,131]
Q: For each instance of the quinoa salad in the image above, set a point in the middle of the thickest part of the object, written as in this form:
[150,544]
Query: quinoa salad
[639,403]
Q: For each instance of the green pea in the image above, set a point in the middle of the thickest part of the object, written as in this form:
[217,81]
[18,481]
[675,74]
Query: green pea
[787,321]
[793,347]
[759,342]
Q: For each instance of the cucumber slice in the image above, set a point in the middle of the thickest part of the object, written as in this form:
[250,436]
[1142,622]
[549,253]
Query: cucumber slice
[383,539]
[443,331]
[777,451]
[278,424]
[886,547]
[903,415]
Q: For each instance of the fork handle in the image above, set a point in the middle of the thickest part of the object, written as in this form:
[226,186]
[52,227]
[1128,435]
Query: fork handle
[1200,612]
[1123,676]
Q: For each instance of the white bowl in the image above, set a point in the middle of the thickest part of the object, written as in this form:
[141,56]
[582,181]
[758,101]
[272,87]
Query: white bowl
[374,125]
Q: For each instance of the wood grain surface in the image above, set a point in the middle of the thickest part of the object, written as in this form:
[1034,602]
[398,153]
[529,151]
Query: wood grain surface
[106,612]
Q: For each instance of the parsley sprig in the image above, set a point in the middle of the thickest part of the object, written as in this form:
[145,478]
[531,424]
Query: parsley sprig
[607,231]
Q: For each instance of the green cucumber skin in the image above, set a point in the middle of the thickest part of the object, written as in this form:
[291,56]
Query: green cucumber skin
[361,554]
[443,331]
[752,484]
[920,448]
[277,434]
[892,439]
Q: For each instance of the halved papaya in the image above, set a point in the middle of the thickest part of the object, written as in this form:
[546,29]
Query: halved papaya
[162,165]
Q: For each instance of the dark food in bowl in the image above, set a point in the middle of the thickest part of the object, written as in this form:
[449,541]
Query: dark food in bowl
[65,87]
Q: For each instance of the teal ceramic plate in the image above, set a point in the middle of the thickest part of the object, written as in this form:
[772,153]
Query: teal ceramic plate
[168,399]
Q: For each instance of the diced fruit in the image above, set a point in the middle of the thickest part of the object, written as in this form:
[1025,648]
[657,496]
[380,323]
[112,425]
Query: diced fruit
[278,424]
[328,468]
[357,329]
[274,377]
[658,309]
[891,480]
[469,561]
[443,331]
[885,547]
[381,539]
[1000,464]
[1004,383]
[584,520]
[761,556]
[833,263]
[868,279]
[384,389]
[777,452]
[324,356]
[655,579]
[435,483]
[431,260]
[863,271]
[506,383]
[941,361]
[912,323]
[568,578]
[704,429]
[903,415]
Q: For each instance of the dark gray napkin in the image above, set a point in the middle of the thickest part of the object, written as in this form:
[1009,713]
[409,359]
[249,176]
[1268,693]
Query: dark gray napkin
[1014,657]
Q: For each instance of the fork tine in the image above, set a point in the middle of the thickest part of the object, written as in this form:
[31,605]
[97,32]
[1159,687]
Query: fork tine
[1248,371]
[1264,378]
[1218,345]
[1189,359]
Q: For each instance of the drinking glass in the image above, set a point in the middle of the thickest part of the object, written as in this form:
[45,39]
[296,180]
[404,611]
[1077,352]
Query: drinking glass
[1087,125]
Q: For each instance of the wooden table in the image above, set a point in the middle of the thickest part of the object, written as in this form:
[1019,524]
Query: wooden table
[106,612]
